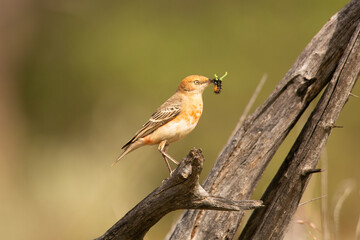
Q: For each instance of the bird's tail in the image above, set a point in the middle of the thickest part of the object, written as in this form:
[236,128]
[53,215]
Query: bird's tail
[126,151]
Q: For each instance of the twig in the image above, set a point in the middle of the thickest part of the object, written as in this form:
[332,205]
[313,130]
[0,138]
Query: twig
[324,192]
[311,200]
[250,103]
[353,95]
[306,172]
[348,188]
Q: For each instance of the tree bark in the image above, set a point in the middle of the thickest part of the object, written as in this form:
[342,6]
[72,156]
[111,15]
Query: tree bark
[247,153]
[283,195]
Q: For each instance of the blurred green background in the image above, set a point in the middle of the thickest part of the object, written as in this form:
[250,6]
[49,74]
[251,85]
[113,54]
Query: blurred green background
[78,78]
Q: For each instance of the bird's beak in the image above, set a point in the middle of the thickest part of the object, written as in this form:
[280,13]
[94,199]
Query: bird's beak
[210,81]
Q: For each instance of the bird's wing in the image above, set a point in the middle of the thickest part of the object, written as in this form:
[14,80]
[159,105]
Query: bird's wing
[165,113]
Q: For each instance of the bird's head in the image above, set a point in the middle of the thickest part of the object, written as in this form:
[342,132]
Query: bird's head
[194,84]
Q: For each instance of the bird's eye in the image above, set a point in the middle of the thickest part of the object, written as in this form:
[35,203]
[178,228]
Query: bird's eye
[196,82]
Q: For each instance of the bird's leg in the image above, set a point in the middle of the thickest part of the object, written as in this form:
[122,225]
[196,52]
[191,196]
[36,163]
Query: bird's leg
[168,156]
[166,147]
[163,147]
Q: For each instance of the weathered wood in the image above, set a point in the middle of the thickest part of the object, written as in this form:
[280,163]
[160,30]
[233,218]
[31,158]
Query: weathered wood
[283,195]
[249,150]
[181,191]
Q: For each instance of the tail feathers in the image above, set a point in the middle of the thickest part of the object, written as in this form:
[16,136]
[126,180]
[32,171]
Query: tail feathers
[128,148]
[128,143]
[126,151]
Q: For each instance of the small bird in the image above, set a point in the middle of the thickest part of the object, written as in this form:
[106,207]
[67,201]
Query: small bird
[173,120]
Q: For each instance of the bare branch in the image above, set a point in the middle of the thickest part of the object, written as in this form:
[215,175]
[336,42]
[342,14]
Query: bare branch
[181,191]
[311,200]
[282,197]
[353,95]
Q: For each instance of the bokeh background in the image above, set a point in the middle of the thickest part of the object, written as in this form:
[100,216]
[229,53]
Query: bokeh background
[78,78]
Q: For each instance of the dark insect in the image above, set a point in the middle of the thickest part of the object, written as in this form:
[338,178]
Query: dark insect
[217,86]
[217,83]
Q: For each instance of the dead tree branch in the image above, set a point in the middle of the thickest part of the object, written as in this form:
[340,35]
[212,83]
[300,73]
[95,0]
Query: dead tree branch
[181,191]
[249,150]
[285,191]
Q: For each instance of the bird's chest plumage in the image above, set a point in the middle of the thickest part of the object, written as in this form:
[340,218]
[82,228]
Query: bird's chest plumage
[190,115]
[182,124]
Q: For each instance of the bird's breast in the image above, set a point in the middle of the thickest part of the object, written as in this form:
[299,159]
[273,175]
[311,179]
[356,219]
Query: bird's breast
[181,125]
[193,114]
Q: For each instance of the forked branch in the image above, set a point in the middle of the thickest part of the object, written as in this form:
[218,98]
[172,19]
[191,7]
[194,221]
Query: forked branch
[181,191]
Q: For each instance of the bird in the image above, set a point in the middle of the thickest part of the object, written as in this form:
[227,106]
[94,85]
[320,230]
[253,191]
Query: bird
[173,120]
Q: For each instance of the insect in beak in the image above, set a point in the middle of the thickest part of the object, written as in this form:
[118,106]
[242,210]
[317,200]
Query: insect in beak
[217,83]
